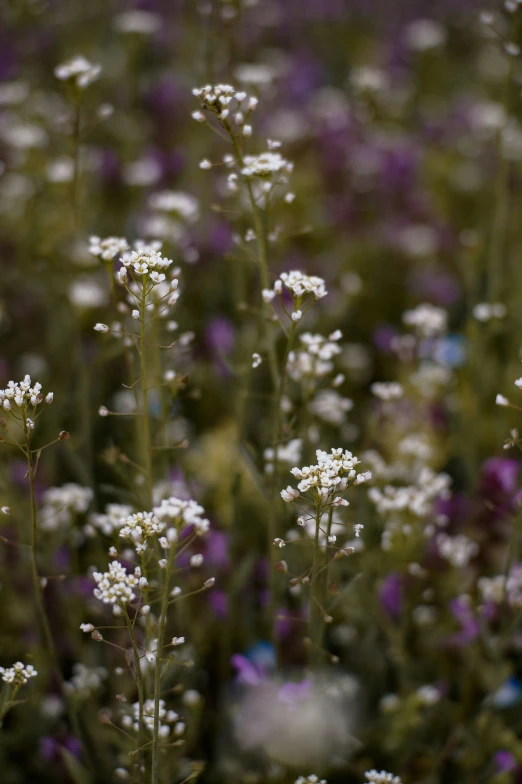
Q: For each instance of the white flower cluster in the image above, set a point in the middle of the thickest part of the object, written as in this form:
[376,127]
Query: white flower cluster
[427,319]
[332,474]
[108,248]
[145,261]
[456,550]
[330,406]
[314,357]
[140,527]
[85,680]
[59,504]
[166,717]
[181,204]
[231,106]
[18,674]
[299,284]
[494,589]
[485,312]
[416,499]
[78,69]
[286,453]
[178,512]
[313,779]
[23,394]
[382,777]
[116,587]
[266,164]
[110,522]
[387,390]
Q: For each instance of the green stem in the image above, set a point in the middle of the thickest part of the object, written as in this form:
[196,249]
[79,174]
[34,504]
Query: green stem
[141,696]
[147,450]
[42,615]
[262,253]
[316,616]
[157,671]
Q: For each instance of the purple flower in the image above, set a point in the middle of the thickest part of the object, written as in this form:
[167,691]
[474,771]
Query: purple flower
[218,603]
[391,595]
[470,628]
[504,761]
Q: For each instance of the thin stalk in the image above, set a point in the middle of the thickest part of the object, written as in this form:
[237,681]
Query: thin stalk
[76,133]
[141,697]
[157,671]
[147,450]
[42,615]
[262,253]
[316,616]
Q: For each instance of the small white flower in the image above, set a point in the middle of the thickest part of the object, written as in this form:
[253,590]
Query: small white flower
[196,560]
[500,400]
[103,411]
[135,315]
[289,495]
[49,397]
[177,641]
[297,315]
[86,627]
[101,327]
[256,360]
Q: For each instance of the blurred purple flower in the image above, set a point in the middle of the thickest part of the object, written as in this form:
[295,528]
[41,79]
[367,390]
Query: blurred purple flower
[218,603]
[470,628]
[504,761]
[391,595]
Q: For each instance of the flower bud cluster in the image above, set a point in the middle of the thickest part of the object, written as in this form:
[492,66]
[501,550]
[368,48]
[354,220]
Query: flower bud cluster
[116,587]
[18,674]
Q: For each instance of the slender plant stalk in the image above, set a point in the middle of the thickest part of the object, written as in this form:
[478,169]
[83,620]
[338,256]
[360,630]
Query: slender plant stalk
[157,670]
[40,607]
[316,616]
[141,692]
[147,448]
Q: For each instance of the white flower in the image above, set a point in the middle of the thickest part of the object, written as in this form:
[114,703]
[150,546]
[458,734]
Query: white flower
[518,383]
[18,674]
[181,204]
[174,511]
[79,70]
[177,641]
[381,777]
[331,476]
[313,779]
[116,587]
[500,400]
[196,560]
[387,390]
[289,495]
[101,327]
[108,248]
[103,411]
[300,284]
[86,627]
[256,360]
[428,320]
[138,528]
[265,164]
[23,394]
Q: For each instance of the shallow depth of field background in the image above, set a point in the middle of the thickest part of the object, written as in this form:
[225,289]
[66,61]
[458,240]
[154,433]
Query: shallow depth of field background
[404,122]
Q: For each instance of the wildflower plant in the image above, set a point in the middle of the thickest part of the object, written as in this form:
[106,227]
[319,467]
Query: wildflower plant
[317,246]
